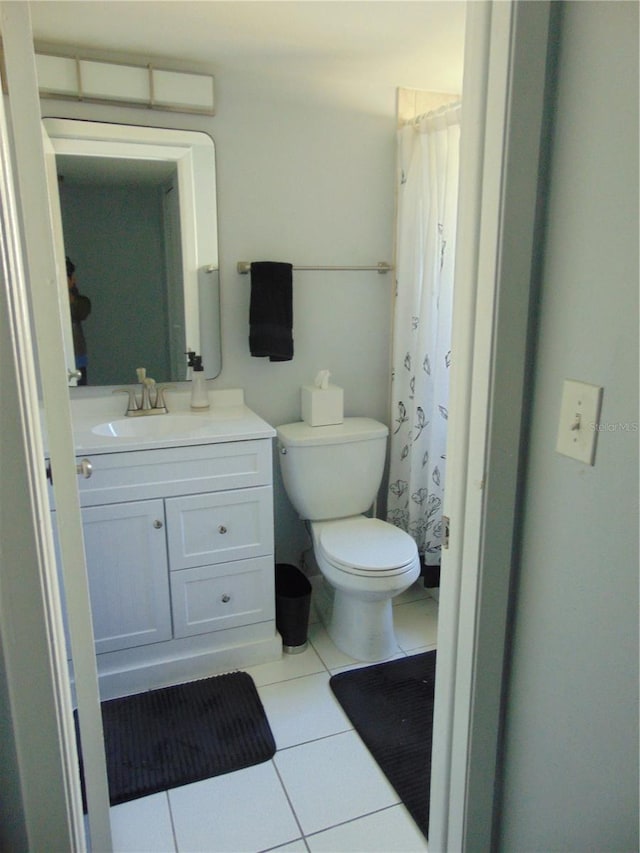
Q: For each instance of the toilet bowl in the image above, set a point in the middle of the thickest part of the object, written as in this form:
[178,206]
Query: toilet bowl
[367,562]
[331,475]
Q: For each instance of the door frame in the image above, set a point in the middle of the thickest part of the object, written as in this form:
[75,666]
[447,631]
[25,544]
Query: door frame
[32,651]
[504,102]
[42,256]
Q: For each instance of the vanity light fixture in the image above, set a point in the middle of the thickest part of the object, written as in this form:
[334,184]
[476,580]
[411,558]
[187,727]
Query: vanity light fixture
[133,85]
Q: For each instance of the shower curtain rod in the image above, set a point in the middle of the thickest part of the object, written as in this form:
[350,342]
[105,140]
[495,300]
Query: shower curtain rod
[244,267]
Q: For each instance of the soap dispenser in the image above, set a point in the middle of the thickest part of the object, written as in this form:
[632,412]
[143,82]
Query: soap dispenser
[190,354]
[199,392]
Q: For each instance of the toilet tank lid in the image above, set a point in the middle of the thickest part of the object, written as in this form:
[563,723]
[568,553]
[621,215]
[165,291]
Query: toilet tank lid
[351,429]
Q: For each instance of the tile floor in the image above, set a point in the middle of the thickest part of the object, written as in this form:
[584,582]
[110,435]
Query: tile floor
[322,791]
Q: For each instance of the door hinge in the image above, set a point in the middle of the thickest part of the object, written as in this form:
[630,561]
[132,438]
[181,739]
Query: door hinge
[446,524]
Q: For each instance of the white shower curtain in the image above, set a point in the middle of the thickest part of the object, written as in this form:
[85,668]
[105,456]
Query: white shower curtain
[426,236]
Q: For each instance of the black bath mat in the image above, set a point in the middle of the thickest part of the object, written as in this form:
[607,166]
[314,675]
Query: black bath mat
[169,737]
[391,707]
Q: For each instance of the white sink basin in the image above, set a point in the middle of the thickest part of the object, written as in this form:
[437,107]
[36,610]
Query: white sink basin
[100,425]
[154,426]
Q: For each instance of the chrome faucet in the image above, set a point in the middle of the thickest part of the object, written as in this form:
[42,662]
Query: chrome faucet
[152,400]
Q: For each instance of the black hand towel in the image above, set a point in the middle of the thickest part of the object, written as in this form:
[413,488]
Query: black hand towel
[271,310]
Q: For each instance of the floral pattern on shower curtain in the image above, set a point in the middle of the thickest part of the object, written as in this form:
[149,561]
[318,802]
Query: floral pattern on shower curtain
[426,236]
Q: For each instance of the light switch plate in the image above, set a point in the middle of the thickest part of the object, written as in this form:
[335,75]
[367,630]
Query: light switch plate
[579,417]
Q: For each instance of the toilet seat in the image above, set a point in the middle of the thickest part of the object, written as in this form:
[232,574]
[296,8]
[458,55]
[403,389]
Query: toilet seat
[367,547]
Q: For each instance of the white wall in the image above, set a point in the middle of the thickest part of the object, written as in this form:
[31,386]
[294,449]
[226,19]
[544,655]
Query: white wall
[570,770]
[301,178]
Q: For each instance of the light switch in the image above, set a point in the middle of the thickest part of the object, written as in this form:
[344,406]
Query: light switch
[579,417]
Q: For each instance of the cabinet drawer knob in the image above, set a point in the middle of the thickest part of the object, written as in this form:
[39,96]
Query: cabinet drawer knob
[157,524]
[222,529]
[225,598]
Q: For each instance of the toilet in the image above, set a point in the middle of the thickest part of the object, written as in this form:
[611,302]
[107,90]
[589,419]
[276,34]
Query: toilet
[332,475]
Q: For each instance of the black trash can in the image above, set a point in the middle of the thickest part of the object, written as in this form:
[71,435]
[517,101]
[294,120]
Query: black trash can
[293,601]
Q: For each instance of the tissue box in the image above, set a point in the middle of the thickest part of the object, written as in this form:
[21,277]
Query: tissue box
[322,407]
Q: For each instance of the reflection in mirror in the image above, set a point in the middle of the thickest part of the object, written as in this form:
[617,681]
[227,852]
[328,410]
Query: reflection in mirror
[139,223]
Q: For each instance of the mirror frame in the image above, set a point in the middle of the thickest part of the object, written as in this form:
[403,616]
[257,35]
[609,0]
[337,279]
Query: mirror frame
[193,153]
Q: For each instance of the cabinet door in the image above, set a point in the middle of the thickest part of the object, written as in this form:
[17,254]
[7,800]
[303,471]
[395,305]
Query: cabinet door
[128,574]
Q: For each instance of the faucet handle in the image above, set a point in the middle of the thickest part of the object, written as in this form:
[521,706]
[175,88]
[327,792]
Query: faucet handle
[132,405]
[148,385]
[160,402]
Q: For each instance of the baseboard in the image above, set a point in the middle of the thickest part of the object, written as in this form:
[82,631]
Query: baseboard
[140,675]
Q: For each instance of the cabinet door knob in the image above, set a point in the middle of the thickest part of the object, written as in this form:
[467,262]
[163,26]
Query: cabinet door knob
[157,524]
[225,598]
[222,529]
[85,468]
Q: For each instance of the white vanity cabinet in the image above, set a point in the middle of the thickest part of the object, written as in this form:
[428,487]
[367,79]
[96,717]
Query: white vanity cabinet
[180,559]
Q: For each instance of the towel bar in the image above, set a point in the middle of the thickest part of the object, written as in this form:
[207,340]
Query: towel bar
[244,267]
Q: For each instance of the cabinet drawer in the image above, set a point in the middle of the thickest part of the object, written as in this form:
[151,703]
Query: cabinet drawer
[139,475]
[212,598]
[216,528]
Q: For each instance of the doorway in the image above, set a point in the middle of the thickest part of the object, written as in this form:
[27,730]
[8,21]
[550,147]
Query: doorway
[499,39]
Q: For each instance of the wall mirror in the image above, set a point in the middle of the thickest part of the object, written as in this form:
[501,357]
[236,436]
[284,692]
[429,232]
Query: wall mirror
[139,222]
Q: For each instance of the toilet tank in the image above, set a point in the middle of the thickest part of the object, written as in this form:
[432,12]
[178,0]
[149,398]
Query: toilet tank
[332,471]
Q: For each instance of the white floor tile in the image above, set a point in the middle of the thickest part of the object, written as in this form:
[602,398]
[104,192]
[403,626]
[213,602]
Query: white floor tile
[235,813]
[389,831]
[337,790]
[322,643]
[332,657]
[142,825]
[302,710]
[416,592]
[416,624]
[289,666]
[295,847]
[362,664]
[333,780]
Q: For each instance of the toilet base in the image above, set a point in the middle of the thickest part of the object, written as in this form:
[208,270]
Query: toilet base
[362,629]
[357,608]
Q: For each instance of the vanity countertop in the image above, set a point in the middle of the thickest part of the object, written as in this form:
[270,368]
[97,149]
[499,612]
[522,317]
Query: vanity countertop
[100,425]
